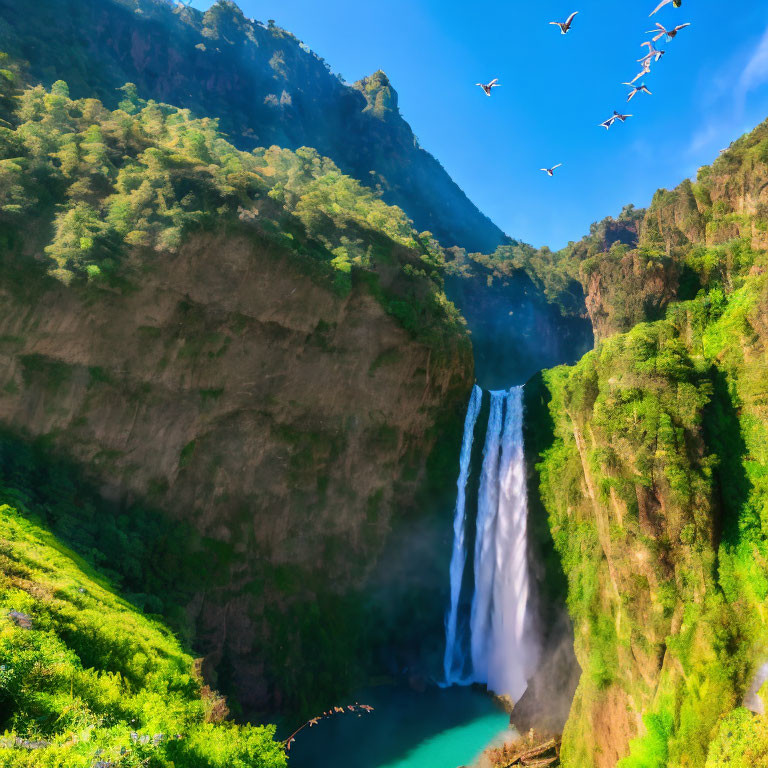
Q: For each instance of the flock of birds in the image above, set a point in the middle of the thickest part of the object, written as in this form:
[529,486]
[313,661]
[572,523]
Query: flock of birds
[653,55]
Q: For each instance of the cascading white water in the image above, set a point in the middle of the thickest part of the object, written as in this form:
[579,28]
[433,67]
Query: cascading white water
[485,555]
[510,658]
[502,650]
[453,661]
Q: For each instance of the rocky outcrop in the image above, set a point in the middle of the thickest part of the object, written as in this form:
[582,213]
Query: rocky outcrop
[298,431]
[626,289]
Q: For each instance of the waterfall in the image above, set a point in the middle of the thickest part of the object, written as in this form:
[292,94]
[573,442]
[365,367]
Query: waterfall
[510,654]
[459,555]
[485,555]
[501,647]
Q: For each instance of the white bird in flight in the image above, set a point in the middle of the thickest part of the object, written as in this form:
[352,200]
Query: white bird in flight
[677,4]
[652,53]
[488,86]
[637,89]
[645,70]
[613,118]
[565,25]
[670,33]
[550,171]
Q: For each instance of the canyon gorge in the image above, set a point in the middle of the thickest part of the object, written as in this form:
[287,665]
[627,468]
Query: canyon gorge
[276,395]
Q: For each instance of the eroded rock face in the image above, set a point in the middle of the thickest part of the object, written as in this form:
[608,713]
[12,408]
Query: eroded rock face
[515,331]
[624,291]
[290,425]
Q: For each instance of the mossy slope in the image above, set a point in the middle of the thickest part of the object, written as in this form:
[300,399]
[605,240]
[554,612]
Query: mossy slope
[87,679]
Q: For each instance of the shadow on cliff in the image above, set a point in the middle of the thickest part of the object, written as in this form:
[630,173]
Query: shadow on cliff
[154,561]
[722,432]
[515,330]
[547,701]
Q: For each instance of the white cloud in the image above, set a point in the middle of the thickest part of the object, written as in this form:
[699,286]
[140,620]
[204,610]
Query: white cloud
[705,136]
[724,99]
[755,73]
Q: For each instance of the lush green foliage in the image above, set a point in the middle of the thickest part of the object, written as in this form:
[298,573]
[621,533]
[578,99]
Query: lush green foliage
[266,86]
[86,678]
[100,185]
[742,741]
[655,482]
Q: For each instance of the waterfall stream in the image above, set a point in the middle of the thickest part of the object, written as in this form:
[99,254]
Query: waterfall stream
[501,647]
[452,662]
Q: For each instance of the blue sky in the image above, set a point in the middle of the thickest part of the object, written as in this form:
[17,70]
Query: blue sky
[710,88]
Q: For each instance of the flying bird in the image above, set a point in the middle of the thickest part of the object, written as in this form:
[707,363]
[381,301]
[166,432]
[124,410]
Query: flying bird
[565,25]
[652,53]
[613,118]
[637,89]
[645,70]
[676,3]
[550,171]
[670,33]
[488,86]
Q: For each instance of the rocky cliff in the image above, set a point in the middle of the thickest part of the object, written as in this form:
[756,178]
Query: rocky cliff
[262,84]
[288,425]
[653,477]
[516,331]
[258,349]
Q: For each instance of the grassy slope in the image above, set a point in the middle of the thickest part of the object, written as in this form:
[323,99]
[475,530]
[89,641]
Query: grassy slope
[92,670]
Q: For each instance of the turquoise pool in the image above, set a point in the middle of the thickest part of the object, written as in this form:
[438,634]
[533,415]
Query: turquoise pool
[434,729]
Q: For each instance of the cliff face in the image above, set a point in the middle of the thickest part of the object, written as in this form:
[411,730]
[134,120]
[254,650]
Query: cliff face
[253,346]
[515,330]
[631,268]
[289,425]
[265,87]
[651,463]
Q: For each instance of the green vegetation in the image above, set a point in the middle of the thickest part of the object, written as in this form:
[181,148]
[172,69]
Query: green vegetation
[266,87]
[634,266]
[562,275]
[109,190]
[653,469]
[149,557]
[86,679]
[656,484]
